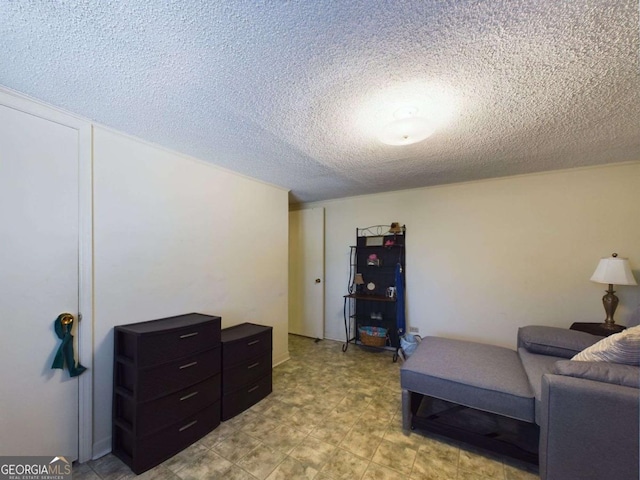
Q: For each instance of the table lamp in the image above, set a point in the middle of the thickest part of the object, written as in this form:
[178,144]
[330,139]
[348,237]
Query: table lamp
[612,270]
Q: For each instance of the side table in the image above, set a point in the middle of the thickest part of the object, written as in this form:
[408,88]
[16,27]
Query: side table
[601,329]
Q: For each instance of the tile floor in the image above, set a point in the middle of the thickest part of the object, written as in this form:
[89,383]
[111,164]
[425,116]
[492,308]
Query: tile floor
[332,415]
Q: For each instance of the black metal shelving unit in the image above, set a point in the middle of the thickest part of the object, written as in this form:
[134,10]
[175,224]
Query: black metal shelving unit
[374,260]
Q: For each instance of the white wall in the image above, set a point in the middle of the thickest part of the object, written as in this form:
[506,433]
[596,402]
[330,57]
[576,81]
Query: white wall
[173,235]
[486,257]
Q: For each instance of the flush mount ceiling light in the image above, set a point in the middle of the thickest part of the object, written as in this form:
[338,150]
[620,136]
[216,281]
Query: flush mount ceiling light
[408,128]
[406,131]
[404,113]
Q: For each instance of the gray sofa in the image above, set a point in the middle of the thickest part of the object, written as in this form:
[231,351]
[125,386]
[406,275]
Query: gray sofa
[587,412]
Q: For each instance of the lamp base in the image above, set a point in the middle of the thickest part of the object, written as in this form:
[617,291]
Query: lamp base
[610,303]
[612,326]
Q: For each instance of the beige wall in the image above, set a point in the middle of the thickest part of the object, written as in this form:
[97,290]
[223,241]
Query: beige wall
[173,235]
[486,257]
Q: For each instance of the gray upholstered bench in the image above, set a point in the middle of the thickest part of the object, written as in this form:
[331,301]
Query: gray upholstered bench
[486,378]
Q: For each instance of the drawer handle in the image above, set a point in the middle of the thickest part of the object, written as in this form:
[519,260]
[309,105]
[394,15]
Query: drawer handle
[253,389]
[187,335]
[188,365]
[253,365]
[188,396]
[253,343]
[188,425]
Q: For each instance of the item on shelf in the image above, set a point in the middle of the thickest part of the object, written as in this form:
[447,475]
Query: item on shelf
[358,281]
[375,241]
[373,336]
[391,292]
[373,260]
[376,316]
[395,228]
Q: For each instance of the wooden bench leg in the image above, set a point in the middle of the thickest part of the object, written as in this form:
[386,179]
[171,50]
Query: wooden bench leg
[407,413]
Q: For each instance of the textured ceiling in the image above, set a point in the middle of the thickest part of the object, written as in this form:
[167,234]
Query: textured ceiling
[294,92]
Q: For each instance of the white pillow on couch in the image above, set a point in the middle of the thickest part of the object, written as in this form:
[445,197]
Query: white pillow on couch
[623,347]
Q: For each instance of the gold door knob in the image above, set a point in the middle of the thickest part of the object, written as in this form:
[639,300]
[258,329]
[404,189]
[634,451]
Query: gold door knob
[66,318]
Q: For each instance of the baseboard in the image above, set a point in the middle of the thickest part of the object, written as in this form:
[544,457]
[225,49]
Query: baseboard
[281,359]
[101,448]
[341,340]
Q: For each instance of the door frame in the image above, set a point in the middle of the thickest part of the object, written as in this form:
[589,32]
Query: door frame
[84,329]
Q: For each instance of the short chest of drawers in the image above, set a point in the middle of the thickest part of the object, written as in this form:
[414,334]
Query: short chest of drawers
[167,376]
[246,367]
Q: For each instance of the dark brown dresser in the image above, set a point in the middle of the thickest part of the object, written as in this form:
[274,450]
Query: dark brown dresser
[246,367]
[166,392]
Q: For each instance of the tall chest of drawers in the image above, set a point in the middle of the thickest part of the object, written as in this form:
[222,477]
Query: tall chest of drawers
[167,387]
[246,367]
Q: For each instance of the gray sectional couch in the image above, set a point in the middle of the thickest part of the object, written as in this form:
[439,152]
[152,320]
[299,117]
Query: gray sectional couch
[587,412]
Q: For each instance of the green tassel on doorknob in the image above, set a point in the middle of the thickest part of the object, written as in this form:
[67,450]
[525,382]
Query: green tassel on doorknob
[65,354]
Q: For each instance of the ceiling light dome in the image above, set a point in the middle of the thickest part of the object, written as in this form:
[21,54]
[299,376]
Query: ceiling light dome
[404,113]
[406,131]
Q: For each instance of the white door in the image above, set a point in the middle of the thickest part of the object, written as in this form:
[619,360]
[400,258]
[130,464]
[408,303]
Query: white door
[306,272]
[39,189]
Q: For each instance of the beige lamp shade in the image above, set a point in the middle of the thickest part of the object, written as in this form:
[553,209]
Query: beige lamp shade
[614,270]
